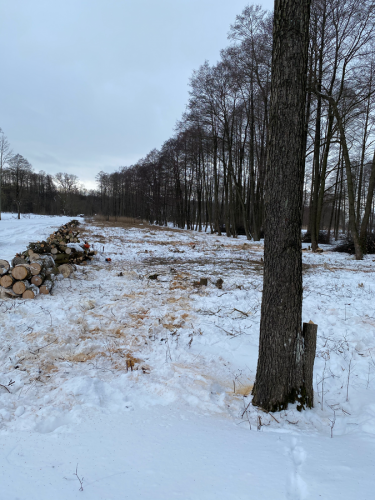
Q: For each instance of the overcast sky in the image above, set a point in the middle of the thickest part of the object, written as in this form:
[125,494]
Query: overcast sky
[90,85]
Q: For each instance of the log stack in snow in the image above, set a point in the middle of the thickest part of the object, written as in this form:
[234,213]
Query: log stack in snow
[35,270]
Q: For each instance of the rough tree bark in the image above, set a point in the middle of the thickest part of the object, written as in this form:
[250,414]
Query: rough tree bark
[280,372]
[366,215]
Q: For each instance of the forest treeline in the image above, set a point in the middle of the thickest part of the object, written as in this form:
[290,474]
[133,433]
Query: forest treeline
[210,174]
[22,190]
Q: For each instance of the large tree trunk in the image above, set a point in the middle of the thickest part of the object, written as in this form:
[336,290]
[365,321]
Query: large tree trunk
[314,231]
[323,174]
[280,372]
[349,181]
[366,215]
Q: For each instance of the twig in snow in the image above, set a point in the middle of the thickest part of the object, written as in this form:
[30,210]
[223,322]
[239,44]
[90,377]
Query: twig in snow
[245,314]
[349,372]
[322,381]
[246,407]
[50,315]
[208,313]
[228,333]
[275,419]
[43,347]
[236,377]
[245,411]
[32,384]
[168,351]
[5,387]
[333,422]
[79,479]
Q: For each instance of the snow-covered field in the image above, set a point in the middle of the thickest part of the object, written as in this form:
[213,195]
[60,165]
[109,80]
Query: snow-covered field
[15,234]
[145,383]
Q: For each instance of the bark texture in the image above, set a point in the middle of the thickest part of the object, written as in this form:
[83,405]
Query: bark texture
[279,378]
[309,334]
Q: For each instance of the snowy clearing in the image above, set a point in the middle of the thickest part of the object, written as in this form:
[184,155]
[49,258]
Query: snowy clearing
[16,234]
[145,382]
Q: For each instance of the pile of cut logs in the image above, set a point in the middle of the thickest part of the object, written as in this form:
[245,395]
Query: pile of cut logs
[35,270]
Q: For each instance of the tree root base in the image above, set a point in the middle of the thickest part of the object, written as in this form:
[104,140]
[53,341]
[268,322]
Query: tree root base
[299,396]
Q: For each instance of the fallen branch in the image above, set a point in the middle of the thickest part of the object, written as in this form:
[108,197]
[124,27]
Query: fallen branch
[79,479]
[245,314]
[11,382]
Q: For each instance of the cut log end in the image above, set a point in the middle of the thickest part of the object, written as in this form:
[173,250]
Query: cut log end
[66,270]
[28,294]
[37,280]
[21,272]
[46,288]
[4,267]
[35,268]
[6,281]
[7,292]
[19,287]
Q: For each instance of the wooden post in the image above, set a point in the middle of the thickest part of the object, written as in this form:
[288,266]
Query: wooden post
[309,334]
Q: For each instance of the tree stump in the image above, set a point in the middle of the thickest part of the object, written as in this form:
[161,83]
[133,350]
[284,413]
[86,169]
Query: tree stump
[309,334]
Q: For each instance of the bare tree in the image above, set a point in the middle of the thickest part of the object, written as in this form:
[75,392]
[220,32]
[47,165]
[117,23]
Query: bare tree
[5,155]
[19,169]
[279,377]
[67,185]
[348,85]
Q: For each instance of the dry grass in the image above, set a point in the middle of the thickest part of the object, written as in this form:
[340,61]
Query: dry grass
[244,390]
[127,222]
[172,322]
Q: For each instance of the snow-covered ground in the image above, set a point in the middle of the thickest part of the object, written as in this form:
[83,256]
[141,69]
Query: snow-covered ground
[145,383]
[15,234]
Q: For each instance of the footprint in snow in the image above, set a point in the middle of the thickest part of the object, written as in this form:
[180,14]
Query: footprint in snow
[296,486]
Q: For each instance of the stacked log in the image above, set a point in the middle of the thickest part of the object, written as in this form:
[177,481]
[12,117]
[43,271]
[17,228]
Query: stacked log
[63,245]
[46,287]
[35,270]
[7,281]
[4,267]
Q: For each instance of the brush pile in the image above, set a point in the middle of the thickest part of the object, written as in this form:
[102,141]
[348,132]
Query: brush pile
[35,270]
[347,245]
[322,238]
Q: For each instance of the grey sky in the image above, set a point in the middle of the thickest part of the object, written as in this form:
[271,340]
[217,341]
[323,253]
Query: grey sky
[90,85]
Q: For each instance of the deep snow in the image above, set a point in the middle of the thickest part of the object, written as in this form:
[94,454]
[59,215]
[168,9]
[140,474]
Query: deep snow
[179,425]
